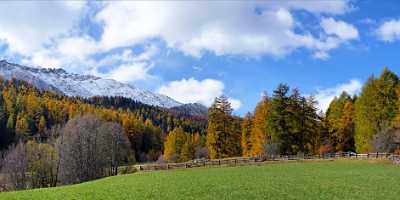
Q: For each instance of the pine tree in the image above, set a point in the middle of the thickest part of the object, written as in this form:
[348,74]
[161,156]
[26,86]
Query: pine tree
[279,117]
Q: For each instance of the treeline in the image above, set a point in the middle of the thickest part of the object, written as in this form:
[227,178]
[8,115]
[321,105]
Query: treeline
[289,123]
[164,118]
[370,121]
[26,113]
[285,123]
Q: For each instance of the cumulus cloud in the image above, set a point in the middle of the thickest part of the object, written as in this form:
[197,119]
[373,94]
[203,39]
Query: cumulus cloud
[27,26]
[49,34]
[341,29]
[389,31]
[325,96]
[196,91]
[222,28]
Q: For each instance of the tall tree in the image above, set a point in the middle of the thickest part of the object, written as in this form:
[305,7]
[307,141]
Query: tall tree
[174,143]
[246,143]
[223,132]
[279,117]
[260,134]
[340,119]
[375,108]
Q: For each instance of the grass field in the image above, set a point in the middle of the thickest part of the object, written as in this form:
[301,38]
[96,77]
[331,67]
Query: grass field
[293,180]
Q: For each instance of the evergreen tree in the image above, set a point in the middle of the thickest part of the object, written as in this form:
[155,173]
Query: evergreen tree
[279,117]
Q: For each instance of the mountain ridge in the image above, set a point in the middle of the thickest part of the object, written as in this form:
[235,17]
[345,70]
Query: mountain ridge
[70,84]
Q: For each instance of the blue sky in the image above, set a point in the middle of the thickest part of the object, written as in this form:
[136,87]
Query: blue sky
[194,51]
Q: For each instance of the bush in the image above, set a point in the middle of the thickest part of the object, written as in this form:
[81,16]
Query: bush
[128,169]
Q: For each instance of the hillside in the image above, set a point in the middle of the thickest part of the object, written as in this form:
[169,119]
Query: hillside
[26,113]
[58,80]
[296,180]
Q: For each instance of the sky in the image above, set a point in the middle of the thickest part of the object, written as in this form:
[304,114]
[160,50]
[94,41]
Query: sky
[195,51]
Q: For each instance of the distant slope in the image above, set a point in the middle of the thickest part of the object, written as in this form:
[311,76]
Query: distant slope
[59,80]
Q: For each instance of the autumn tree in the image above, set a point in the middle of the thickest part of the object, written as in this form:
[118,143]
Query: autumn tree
[375,108]
[173,144]
[260,134]
[223,133]
[340,119]
[246,142]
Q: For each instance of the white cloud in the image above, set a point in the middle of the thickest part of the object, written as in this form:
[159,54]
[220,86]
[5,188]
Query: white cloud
[49,34]
[321,55]
[27,26]
[130,72]
[223,28]
[195,91]
[235,103]
[389,30]
[325,96]
[77,47]
[341,29]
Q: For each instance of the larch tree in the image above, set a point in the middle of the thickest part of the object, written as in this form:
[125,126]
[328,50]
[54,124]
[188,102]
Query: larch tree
[247,126]
[260,135]
[174,143]
[340,119]
[375,108]
[223,132]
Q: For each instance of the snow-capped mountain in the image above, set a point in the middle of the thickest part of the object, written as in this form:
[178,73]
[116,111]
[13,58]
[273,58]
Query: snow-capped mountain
[58,80]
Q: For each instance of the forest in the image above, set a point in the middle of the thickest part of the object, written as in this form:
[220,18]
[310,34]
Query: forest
[62,140]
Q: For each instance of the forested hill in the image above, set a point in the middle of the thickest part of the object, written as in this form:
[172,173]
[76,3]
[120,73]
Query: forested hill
[27,112]
[191,111]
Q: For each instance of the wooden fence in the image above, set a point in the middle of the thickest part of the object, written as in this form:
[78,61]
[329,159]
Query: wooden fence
[257,160]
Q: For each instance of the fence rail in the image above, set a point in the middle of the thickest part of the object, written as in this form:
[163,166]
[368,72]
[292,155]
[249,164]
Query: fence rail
[257,160]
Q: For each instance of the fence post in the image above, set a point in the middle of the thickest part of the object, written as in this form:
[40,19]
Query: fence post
[377,154]
[219,162]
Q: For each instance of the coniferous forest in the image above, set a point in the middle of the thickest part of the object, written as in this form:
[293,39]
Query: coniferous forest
[50,135]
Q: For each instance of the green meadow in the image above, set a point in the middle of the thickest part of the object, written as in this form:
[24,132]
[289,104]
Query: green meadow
[291,180]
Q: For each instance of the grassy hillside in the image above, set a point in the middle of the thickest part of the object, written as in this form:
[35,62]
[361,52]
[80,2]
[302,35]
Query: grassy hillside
[295,180]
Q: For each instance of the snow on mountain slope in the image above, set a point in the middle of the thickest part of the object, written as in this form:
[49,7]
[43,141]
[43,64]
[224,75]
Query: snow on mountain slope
[59,80]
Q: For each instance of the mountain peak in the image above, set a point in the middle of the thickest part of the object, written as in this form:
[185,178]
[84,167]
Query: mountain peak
[70,84]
